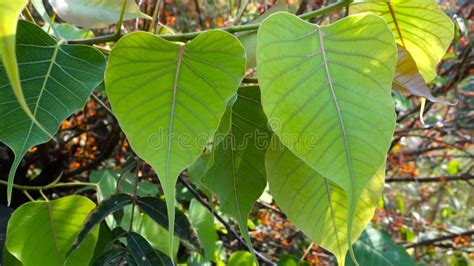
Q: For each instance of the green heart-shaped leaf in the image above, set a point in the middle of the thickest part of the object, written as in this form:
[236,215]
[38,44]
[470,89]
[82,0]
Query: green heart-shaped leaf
[57,80]
[327,94]
[169,97]
[419,26]
[317,205]
[41,232]
[237,174]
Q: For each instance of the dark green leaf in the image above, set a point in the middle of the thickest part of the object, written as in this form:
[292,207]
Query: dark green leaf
[156,209]
[105,237]
[57,80]
[106,207]
[5,214]
[110,257]
[375,247]
[143,253]
[237,175]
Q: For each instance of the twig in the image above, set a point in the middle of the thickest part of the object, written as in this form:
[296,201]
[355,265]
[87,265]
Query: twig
[230,29]
[465,177]
[438,239]
[49,186]
[229,228]
[198,11]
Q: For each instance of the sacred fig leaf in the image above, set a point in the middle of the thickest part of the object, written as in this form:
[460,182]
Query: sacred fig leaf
[249,39]
[95,13]
[41,232]
[237,176]
[57,80]
[375,247]
[169,97]
[315,204]
[330,87]
[408,78]
[9,12]
[419,26]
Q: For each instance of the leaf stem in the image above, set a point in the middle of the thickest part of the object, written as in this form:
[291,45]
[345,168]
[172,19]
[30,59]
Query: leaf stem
[118,29]
[232,29]
[49,186]
[207,205]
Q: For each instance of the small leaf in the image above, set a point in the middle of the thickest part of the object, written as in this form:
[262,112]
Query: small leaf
[408,78]
[57,80]
[315,204]
[419,26]
[249,39]
[327,92]
[203,220]
[68,31]
[95,13]
[156,209]
[288,260]
[109,257]
[375,247]
[206,160]
[156,234]
[106,207]
[241,258]
[169,98]
[237,176]
[143,253]
[41,232]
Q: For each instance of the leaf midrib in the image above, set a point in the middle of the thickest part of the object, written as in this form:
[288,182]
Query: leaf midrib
[338,109]
[53,232]
[328,189]
[234,179]
[173,108]
[395,21]
[43,88]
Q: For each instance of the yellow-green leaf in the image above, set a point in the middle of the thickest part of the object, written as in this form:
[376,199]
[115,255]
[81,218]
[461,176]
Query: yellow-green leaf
[408,78]
[317,205]
[169,97]
[420,26]
[41,232]
[327,94]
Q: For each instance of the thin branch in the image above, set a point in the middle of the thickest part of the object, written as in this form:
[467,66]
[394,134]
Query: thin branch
[49,186]
[229,228]
[465,177]
[428,242]
[231,29]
